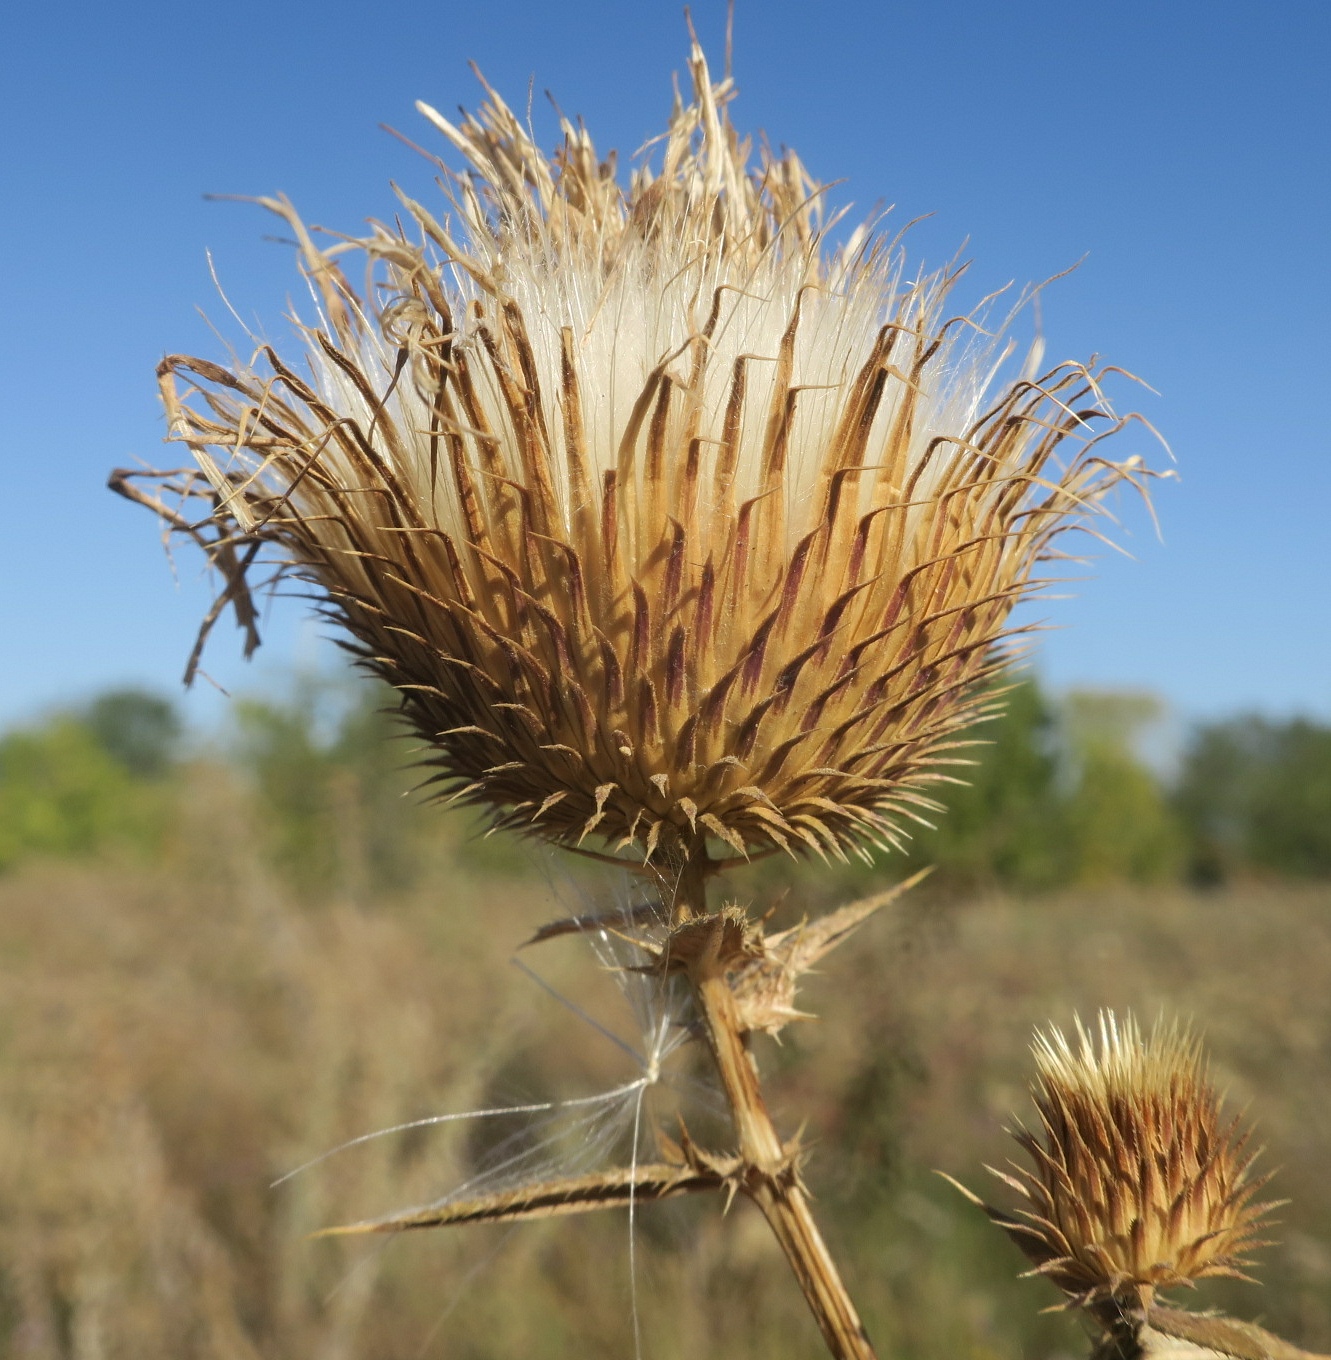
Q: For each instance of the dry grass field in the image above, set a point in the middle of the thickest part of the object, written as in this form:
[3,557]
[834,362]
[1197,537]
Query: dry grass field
[173,1038]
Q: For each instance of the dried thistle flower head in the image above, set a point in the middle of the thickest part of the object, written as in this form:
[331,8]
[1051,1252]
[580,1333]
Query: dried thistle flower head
[666,518]
[1139,1182]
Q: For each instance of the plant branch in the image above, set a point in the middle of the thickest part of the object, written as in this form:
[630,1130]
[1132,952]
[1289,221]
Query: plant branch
[557,1197]
[1163,1333]
[769,1170]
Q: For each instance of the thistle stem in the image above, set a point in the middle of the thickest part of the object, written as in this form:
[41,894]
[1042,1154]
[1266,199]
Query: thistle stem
[1174,1334]
[769,1175]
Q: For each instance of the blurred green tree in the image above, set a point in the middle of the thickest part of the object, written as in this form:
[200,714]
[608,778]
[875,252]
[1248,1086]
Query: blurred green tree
[62,793]
[1003,825]
[336,800]
[1057,794]
[1255,795]
[139,729]
[1119,823]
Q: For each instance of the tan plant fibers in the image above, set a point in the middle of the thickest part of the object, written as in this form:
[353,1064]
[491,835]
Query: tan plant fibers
[666,518]
[1139,1183]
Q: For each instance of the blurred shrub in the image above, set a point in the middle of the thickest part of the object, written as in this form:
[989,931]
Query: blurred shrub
[1003,825]
[81,783]
[1120,826]
[335,798]
[1058,796]
[140,730]
[342,800]
[1255,795]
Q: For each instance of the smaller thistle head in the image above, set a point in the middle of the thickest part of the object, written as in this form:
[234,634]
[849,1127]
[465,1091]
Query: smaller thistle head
[1140,1183]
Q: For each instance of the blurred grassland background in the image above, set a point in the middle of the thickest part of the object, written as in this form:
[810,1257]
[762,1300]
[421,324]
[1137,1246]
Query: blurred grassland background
[214,967]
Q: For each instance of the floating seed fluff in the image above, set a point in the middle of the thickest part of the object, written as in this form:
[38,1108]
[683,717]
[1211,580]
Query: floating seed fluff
[665,518]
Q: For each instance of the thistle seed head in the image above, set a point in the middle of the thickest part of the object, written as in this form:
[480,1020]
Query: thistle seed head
[1139,1181]
[666,518]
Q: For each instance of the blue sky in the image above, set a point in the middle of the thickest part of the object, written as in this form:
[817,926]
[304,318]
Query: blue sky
[1181,147]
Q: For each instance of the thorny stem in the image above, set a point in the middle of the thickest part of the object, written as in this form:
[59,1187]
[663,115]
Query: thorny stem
[769,1174]
[1164,1333]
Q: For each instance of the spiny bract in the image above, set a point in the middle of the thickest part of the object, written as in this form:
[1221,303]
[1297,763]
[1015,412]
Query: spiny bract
[665,517]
